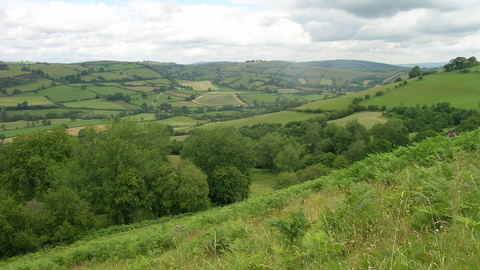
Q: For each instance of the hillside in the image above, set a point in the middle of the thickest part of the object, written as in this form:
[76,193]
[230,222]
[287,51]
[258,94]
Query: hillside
[36,95]
[459,89]
[414,208]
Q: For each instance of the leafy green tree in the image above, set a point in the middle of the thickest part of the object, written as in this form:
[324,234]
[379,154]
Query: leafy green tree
[28,159]
[65,215]
[2,137]
[289,159]
[192,192]
[114,168]
[415,72]
[16,234]
[219,148]
[228,185]
[285,179]
[356,151]
[340,162]
[312,172]
[393,131]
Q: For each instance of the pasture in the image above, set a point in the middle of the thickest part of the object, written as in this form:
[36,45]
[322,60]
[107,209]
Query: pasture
[218,100]
[100,104]
[106,90]
[145,89]
[282,117]
[64,93]
[181,121]
[38,85]
[30,97]
[259,98]
[461,90]
[58,70]
[19,127]
[12,71]
[143,72]
[203,85]
[368,119]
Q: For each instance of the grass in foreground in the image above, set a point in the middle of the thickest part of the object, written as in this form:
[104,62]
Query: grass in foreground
[415,208]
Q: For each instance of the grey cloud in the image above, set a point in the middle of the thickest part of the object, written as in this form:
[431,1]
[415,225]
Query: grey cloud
[451,23]
[372,8]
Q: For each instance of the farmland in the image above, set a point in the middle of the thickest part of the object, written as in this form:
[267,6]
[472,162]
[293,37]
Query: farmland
[256,85]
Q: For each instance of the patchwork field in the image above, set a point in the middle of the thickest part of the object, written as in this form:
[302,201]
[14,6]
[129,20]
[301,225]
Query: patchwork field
[38,85]
[110,90]
[100,104]
[218,100]
[205,85]
[282,117]
[63,93]
[31,98]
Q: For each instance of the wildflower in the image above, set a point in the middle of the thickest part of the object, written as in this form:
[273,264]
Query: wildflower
[466,186]
[451,135]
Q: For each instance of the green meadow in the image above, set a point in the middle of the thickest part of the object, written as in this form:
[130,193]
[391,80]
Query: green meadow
[217,100]
[63,93]
[30,97]
[110,90]
[282,117]
[461,90]
[37,85]
[100,104]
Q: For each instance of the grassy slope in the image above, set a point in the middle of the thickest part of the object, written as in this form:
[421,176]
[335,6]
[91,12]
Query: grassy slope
[415,208]
[461,90]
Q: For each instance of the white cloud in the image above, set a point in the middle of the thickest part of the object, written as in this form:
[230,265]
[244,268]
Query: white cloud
[376,30]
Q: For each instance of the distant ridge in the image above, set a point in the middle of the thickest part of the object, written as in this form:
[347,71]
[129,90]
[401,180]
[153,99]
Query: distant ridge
[423,65]
[357,65]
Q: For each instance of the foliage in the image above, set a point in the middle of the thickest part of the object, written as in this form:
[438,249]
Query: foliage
[295,229]
[28,159]
[228,185]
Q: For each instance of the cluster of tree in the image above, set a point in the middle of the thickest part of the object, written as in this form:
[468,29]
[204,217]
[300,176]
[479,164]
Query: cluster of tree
[6,82]
[8,116]
[118,96]
[460,63]
[3,66]
[54,187]
[434,119]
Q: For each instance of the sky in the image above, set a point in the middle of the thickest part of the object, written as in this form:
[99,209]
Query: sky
[188,31]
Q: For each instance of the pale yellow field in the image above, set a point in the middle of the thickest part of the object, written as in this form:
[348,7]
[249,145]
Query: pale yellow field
[204,85]
[326,82]
[302,81]
[368,119]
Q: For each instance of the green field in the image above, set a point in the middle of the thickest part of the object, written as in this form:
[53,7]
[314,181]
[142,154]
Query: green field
[39,84]
[12,71]
[259,98]
[58,70]
[282,117]
[119,66]
[217,100]
[100,104]
[110,90]
[63,93]
[21,125]
[30,97]
[461,90]
[143,72]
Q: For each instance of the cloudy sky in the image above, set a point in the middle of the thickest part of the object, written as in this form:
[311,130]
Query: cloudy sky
[188,31]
